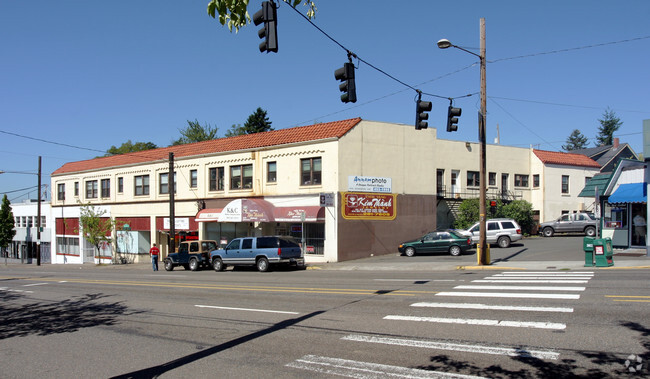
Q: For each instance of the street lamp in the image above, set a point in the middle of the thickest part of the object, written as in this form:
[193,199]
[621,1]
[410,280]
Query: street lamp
[444,44]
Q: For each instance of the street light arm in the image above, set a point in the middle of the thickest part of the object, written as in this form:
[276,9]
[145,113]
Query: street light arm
[444,44]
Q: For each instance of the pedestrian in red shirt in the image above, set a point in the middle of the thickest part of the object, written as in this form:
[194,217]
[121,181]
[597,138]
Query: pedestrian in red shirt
[154,252]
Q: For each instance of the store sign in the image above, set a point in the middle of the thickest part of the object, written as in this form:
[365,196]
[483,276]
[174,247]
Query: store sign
[369,184]
[366,206]
[326,199]
[179,223]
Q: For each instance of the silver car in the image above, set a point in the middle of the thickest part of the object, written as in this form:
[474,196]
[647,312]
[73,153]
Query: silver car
[501,231]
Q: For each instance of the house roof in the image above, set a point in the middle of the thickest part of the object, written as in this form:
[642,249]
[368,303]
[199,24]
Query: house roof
[336,129]
[600,181]
[605,154]
[567,159]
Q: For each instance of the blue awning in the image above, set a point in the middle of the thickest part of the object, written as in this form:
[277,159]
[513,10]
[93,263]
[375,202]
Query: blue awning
[629,193]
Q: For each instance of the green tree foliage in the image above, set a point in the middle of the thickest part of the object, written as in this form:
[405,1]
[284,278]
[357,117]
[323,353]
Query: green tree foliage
[518,210]
[196,133]
[235,130]
[575,141]
[609,124]
[130,147]
[7,223]
[95,228]
[234,13]
[257,122]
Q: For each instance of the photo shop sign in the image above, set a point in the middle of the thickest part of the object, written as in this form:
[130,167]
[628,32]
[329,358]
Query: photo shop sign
[368,206]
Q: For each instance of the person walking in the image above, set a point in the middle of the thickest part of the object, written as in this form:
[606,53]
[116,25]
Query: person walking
[639,229]
[154,252]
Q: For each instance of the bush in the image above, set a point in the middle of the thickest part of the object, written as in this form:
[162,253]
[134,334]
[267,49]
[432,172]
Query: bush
[518,210]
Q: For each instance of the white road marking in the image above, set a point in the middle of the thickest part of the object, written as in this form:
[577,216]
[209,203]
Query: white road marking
[547,275]
[483,322]
[548,272]
[356,369]
[482,349]
[246,309]
[530,281]
[512,295]
[493,307]
[34,284]
[63,281]
[523,288]
[12,290]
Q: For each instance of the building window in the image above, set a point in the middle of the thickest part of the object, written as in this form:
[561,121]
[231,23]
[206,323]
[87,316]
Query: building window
[194,178]
[164,183]
[310,171]
[216,179]
[271,172]
[241,177]
[106,188]
[17,222]
[473,179]
[565,184]
[67,245]
[141,185]
[120,185]
[440,181]
[91,189]
[76,189]
[60,191]
[29,222]
[587,179]
[43,223]
[492,179]
[521,180]
[536,180]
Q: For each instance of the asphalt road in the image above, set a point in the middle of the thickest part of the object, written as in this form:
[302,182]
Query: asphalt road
[101,322]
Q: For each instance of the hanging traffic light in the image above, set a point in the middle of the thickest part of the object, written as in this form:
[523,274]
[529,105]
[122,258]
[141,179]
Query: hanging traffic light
[421,108]
[452,118]
[269,16]
[348,87]
[493,207]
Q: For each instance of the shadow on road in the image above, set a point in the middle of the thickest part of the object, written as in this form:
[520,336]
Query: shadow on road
[506,259]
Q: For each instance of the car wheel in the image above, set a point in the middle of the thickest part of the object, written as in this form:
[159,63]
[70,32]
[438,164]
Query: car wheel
[410,251]
[548,232]
[217,264]
[503,241]
[194,264]
[168,265]
[590,231]
[262,264]
[455,250]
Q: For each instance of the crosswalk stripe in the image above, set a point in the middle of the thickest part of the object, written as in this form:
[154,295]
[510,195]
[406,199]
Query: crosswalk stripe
[548,275]
[483,322]
[522,288]
[493,307]
[482,349]
[512,295]
[356,369]
[530,281]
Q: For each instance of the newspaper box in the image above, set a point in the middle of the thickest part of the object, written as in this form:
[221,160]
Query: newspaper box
[588,248]
[603,252]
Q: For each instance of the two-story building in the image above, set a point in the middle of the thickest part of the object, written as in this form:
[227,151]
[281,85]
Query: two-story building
[24,245]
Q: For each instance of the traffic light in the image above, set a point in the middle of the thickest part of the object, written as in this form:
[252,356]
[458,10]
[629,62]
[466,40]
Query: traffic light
[493,207]
[452,118]
[346,75]
[269,16]
[420,114]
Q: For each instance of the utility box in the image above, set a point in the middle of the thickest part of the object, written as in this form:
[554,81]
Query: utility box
[588,248]
[603,252]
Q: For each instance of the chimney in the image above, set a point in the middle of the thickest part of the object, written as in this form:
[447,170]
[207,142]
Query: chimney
[615,142]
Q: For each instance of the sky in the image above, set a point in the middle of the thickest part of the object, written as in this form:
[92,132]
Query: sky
[77,77]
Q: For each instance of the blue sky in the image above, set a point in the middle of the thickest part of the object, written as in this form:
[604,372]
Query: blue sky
[96,74]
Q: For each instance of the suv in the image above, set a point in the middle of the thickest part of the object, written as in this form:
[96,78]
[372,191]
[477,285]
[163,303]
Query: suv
[258,251]
[501,231]
[579,222]
[191,255]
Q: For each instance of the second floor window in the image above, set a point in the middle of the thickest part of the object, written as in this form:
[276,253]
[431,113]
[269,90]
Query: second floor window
[271,172]
[120,185]
[106,188]
[241,177]
[565,184]
[536,180]
[141,185]
[521,180]
[216,178]
[164,183]
[310,171]
[76,189]
[60,191]
[91,189]
[193,178]
[473,178]
[492,178]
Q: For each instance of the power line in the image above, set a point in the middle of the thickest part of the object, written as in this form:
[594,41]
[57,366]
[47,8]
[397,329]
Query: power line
[562,105]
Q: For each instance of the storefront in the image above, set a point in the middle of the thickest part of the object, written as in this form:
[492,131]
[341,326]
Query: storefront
[624,215]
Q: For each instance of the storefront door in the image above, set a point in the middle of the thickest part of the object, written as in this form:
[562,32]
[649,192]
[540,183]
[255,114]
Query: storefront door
[639,230]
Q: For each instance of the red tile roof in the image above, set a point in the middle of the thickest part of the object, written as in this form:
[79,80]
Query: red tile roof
[568,159]
[314,132]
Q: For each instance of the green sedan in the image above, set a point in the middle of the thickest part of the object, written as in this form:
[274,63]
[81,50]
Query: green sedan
[441,241]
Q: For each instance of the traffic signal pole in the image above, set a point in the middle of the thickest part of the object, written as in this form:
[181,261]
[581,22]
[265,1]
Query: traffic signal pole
[482,252]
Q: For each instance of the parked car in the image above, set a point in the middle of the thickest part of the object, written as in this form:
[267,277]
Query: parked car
[261,252]
[440,241]
[579,222]
[191,255]
[501,231]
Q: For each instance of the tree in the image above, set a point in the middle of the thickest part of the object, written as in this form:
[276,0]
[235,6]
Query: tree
[196,133]
[235,130]
[518,210]
[7,223]
[575,141]
[130,147]
[257,122]
[96,228]
[235,12]
[608,126]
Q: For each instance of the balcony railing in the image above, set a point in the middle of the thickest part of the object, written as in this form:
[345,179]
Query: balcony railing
[473,193]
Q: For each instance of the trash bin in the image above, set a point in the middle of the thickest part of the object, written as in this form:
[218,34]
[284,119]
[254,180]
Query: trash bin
[603,252]
[588,248]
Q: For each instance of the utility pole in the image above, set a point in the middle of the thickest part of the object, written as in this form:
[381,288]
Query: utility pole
[38,217]
[482,258]
[172,220]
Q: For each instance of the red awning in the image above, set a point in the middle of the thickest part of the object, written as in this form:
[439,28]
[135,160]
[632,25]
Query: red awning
[258,210]
[294,214]
[210,214]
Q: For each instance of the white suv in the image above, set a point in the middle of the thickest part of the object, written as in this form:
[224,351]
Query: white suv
[501,231]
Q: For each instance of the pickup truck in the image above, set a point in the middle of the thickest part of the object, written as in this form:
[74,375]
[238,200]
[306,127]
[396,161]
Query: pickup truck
[261,252]
[191,255]
[571,223]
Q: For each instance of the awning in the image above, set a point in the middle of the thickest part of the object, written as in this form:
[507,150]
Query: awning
[294,214]
[629,193]
[210,214]
[258,210]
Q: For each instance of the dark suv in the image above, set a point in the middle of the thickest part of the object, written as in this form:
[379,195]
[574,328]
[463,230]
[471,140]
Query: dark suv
[261,252]
[191,255]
